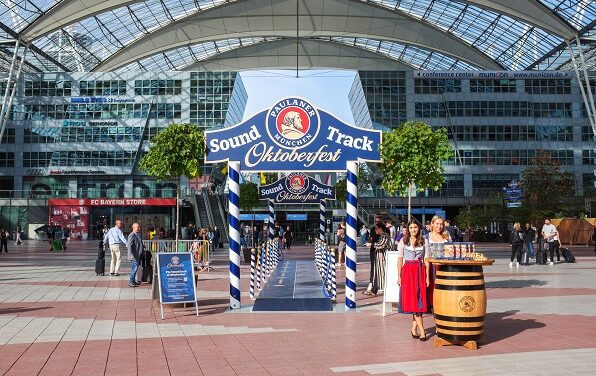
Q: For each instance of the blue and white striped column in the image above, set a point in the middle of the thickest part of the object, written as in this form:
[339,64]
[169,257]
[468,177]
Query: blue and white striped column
[333,281]
[271,219]
[259,265]
[351,223]
[253,266]
[322,210]
[234,232]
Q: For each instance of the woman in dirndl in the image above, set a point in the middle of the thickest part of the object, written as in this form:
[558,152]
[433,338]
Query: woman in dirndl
[436,238]
[413,278]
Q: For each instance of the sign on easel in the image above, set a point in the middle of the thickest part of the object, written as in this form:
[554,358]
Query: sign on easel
[176,279]
[391,294]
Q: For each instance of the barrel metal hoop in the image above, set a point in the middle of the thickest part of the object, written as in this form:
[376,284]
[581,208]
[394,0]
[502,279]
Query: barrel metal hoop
[451,337]
[461,268]
[459,318]
[461,278]
[459,287]
[461,328]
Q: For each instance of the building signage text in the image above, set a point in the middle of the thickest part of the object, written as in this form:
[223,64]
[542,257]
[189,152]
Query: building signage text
[297,188]
[293,135]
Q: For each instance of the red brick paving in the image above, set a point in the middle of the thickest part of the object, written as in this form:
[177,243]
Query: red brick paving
[320,342]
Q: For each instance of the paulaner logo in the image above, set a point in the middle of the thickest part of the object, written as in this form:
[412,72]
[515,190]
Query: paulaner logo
[297,182]
[293,123]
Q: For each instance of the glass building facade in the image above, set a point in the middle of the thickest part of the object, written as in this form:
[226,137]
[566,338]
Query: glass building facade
[80,135]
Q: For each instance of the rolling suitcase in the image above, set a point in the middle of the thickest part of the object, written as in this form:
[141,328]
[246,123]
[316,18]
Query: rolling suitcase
[567,255]
[100,266]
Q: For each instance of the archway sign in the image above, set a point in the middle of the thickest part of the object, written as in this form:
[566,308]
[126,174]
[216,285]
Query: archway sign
[292,135]
[298,188]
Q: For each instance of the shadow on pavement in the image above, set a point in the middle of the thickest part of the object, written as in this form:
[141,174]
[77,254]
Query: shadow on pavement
[11,310]
[514,283]
[502,325]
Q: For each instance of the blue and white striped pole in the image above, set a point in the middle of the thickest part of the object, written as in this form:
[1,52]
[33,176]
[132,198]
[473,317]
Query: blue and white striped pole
[322,210]
[351,223]
[271,219]
[234,232]
[253,265]
[333,280]
[259,265]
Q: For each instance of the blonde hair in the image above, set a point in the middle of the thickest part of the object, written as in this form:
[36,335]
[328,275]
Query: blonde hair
[445,234]
[517,226]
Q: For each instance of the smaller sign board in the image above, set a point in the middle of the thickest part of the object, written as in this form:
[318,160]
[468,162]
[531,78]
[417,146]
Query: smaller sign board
[517,204]
[176,279]
[391,293]
[297,188]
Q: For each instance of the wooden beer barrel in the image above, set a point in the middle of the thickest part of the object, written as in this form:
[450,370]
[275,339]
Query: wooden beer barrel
[459,301]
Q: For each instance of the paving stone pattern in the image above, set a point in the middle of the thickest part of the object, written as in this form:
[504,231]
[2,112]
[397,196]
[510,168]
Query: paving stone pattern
[58,318]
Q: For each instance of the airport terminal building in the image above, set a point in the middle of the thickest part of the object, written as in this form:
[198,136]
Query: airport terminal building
[93,85]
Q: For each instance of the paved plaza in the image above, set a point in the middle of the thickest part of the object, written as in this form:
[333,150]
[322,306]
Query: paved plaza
[58,318]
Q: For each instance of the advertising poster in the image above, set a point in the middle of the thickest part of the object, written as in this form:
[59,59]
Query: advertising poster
[176,278]
[73,218]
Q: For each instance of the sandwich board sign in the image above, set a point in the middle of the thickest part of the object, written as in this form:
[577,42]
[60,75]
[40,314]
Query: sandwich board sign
[176,279]
[391,293]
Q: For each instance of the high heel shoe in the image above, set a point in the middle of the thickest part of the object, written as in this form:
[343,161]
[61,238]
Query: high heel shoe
[414,335]
[423,338]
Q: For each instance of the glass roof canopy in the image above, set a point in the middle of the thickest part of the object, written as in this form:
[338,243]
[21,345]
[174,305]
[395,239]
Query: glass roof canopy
[507,39]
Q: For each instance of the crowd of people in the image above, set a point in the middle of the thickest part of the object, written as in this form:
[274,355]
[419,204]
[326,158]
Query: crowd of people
[252,236]
[525,241]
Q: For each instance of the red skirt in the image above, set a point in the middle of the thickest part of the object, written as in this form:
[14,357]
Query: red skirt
[414,297]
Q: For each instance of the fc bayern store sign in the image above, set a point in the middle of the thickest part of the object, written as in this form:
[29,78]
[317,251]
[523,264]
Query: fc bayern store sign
[297,188]
[112,202]
[292,135]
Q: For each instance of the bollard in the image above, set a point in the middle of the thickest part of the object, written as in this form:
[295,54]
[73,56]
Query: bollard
[333,279]
[269,259]
[329,267]
[253,259]
[259,266]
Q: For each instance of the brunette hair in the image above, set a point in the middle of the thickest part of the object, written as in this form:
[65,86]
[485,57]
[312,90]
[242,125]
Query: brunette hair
[419,239]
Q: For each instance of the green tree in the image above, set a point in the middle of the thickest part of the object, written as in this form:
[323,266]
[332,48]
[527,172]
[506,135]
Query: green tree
[412,156]
[340,190]
[249,196]
[545,186]
[176,151]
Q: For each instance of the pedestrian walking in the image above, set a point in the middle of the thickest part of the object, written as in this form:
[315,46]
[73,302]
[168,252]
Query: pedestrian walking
[115,240]
[551,239]
[134,247]
[289,238]
[19,239]
[382,244]
[529,237]
[3,240]
[516,240]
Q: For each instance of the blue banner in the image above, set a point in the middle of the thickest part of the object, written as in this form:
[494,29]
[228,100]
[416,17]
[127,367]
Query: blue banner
[255,217]
[296,217]
[297,188]
[176,278]
[292,135]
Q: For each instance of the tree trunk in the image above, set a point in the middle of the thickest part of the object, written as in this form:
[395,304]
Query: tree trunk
[409,201]
[177,212]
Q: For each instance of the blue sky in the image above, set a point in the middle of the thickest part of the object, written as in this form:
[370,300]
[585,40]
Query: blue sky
[324,89]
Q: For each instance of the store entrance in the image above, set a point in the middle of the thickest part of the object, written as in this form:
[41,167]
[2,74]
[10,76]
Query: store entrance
[160,217]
